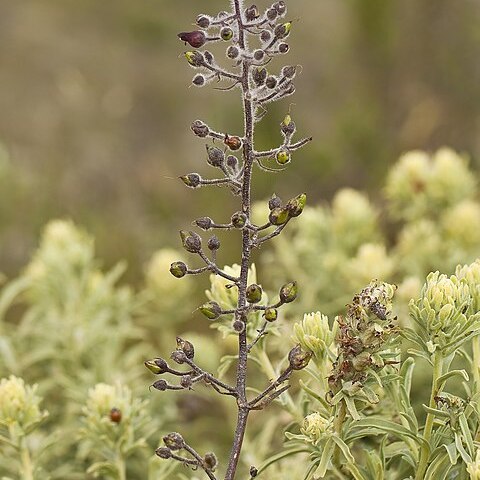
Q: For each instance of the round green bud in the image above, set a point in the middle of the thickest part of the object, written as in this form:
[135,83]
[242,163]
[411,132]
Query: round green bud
[282,157]
[288,293]
[178,269]
[211,310]
[254,293]
[278,216]
[226,33]
[239,219]
[271,314]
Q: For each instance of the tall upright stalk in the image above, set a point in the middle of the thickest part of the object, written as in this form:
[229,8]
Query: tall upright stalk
[258,88]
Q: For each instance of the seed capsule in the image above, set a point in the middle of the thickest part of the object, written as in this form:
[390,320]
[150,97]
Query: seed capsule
[215,156]
[238,326]
[213,243]
[278,216]
[186,347]
[271,314]
[274,202]
[272,14]
[254,293]
[210,461]
[282,157]
[296,205]
[163,452]
[174,441]
[288,293]
[239,220]
[265,36]
[259,55]
[178,269]
[233,52]
[232,142]
[283,30]
[226,33]
[200,129]
[288,126]
[191,241]
[199,80]
[195,59]
[157,366]
[280,7]
[115,415]
[252,13]
[160,385]
[271,82]
[298,358]
[195,39]
[211,310]
[232,162]
[283,47]
[208,57]
[253,472]
[259,76]
[178,357]
[205,223]
[192,180]
[203,21]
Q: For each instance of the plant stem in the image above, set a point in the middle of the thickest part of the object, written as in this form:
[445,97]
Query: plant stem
[121,467]
[27,466]
[340,414]
[427,432]
[248,159]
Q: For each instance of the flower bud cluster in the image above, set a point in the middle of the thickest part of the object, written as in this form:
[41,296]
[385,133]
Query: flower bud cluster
[419,183]
[313,333]
[315,427]
[443,310]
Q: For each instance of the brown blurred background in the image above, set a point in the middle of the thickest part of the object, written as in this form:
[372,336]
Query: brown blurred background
[95,110]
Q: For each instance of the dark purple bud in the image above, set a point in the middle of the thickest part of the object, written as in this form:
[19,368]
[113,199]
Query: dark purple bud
[174,441]
[213,243]
[161,385]
[178,357]
[232,162]
[238,326]
[259,55]
[233,52]
[289,71]
[203,21]
[265,36]
[210,461]
[259,76]
[200,129]
[271,81]
[195,39]
[283,30]
[186,381]
[191,241]
[192,180]
[280,7]
[253,472]
[272,14]
[199,80]
[205,223]
[164,452]
[186,347]
[283,47]
[252,13]
[215,156]
[208,57]
[274,202]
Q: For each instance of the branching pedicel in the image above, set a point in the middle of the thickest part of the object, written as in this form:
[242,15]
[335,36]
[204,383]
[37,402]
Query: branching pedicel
[258,87]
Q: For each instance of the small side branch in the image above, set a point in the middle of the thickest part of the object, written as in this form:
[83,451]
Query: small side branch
[283,377]
[292,147]
[210,379]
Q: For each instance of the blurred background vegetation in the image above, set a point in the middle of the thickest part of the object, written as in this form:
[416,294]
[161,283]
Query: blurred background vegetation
[95,111]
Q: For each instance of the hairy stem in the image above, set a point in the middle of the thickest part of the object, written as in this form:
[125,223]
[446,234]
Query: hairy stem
[427,432]
[248,159]
[27,466]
